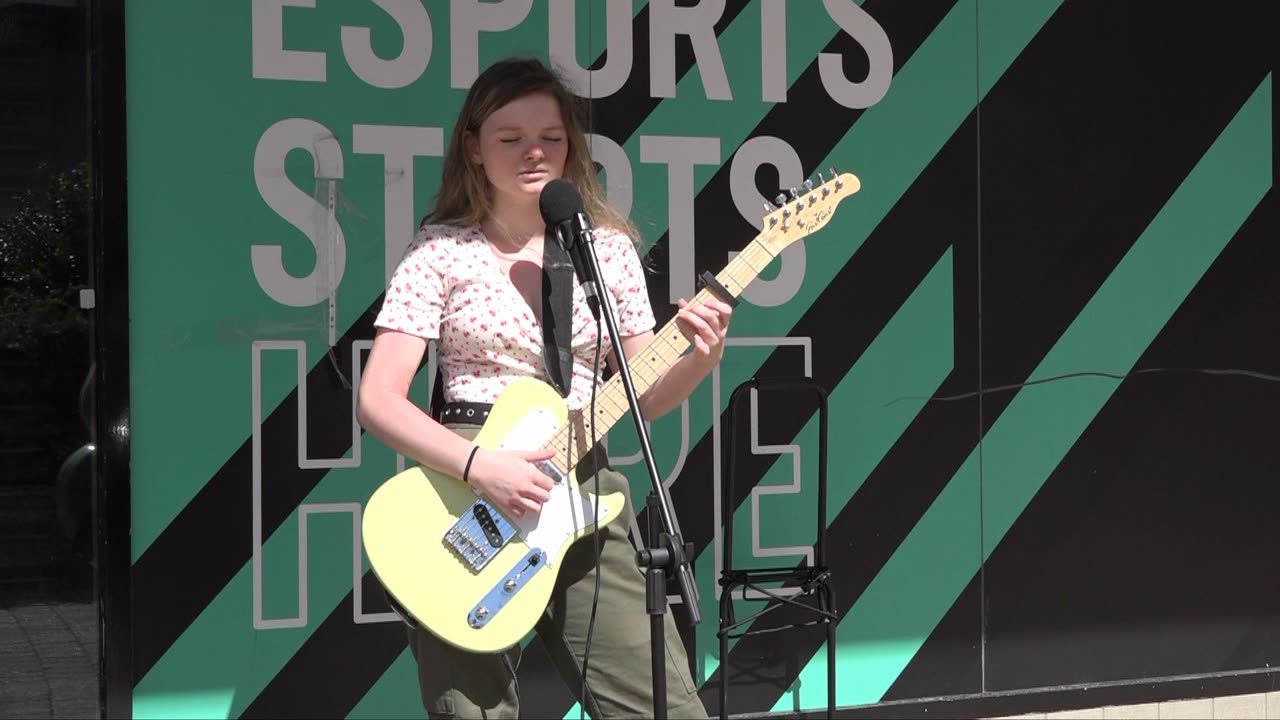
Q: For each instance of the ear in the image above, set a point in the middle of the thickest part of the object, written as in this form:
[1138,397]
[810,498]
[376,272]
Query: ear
[473,147]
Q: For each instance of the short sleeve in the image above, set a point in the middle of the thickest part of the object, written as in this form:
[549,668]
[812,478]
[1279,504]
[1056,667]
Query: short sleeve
[416,294]
[626,282]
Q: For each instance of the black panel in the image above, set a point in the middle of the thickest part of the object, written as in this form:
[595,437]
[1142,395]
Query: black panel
[949,662]
[1138,559]
[1147,552]
[111,408]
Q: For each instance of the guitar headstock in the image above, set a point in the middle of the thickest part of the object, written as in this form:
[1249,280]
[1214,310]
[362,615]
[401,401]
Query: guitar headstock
[807,211]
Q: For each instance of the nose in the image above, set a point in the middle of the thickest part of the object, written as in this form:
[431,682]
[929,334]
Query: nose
[534,152]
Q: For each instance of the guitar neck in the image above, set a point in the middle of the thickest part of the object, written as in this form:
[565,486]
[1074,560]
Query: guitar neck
[668,344]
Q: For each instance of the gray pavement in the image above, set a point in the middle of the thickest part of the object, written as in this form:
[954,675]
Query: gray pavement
[48,661]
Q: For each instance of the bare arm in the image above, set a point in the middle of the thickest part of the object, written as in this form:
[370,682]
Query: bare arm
[384,409]
[706,326]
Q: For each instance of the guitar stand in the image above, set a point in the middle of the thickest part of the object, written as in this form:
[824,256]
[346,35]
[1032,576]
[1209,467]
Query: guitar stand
[799,582]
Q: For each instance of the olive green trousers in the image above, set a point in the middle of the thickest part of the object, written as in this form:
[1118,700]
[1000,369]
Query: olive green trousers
[460,684]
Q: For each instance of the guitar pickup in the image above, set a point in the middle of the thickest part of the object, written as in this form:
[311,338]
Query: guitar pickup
[478,535]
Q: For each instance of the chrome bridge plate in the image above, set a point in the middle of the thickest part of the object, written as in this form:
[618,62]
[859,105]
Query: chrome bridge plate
[506,588]
[479,534]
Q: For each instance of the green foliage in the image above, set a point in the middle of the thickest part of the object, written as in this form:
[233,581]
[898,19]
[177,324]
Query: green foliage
[43,264]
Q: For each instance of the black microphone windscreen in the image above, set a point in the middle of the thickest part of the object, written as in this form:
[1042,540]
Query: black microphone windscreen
[559,201]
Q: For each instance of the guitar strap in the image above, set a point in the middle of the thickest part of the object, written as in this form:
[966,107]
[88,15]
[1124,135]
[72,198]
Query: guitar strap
[557,313]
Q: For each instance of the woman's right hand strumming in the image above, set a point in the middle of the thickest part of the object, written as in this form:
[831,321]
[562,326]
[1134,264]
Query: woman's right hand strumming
[510,480]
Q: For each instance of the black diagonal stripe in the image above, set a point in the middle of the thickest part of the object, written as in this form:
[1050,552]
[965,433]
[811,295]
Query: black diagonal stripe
[813,124]
[882,275]
[1076,161]
[1181,447]
[323,673]
[824,124]
[620,115]
[215,525]
[951,659]
[617,116]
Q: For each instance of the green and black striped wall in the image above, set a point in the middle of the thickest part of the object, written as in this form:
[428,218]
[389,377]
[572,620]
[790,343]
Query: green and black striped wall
[1047,325]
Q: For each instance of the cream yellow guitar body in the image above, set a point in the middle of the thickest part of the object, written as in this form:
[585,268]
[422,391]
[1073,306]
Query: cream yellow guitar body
[408,517]
[480,581]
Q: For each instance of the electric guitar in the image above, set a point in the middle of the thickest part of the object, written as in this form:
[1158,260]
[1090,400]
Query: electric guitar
[480,580]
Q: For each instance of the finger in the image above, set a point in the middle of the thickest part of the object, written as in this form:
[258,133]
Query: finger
[535,494]
[696,322]
[532,506]
[545,453]
[708,315]
[543,482]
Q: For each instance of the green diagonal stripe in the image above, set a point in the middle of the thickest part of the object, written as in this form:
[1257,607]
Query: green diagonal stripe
[892,619]
[892,144]
[911,356]
[207,642]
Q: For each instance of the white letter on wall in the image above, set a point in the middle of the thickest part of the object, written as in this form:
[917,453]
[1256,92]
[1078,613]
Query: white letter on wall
[415,27]
[861,27]
[315,220]
[617,171]
[767,150]
[680,154]
[562,21]
[468,18]
[270,60]
[398,145]
[665,22]
[773,50]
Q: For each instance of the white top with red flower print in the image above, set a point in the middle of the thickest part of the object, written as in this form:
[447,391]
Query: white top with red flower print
[449,287]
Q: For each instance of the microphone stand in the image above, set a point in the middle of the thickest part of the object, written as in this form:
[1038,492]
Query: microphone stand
[667,554]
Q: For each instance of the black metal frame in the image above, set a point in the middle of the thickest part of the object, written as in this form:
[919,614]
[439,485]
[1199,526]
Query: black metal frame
[111,407]
[813,580]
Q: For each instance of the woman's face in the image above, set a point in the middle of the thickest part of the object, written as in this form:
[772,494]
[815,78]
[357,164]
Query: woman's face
[522,146]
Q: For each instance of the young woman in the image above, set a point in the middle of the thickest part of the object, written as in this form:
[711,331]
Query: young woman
[472,280]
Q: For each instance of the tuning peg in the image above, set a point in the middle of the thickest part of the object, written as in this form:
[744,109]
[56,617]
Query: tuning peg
[808,184]
[821,180]
[794,194]
[768,207]
[832,171]
[780,200]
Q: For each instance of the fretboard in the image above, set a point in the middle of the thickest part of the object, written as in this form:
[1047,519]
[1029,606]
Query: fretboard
[646,366]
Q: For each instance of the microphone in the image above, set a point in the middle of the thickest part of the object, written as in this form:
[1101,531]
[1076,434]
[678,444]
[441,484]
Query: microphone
[562,211]
[567,223]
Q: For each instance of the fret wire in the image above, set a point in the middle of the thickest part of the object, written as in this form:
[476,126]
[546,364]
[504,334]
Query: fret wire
[674,346]
[756,244]
[604,412]
[610,405]
[728,278]
[743,257]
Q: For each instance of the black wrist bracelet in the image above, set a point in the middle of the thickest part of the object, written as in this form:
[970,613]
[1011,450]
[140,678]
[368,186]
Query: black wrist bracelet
[467,470]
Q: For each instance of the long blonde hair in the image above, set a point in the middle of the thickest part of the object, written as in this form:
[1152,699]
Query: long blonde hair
[465,197]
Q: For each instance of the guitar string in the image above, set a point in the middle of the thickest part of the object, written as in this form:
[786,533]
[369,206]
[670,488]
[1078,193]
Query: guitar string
[673,338]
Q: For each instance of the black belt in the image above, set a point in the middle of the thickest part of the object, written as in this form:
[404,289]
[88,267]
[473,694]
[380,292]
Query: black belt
[473,413]
[464,412]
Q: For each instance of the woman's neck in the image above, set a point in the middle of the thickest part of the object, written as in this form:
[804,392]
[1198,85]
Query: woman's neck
[516,226]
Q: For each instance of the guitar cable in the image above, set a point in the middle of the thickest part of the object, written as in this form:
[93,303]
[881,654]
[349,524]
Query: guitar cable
[595,536]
